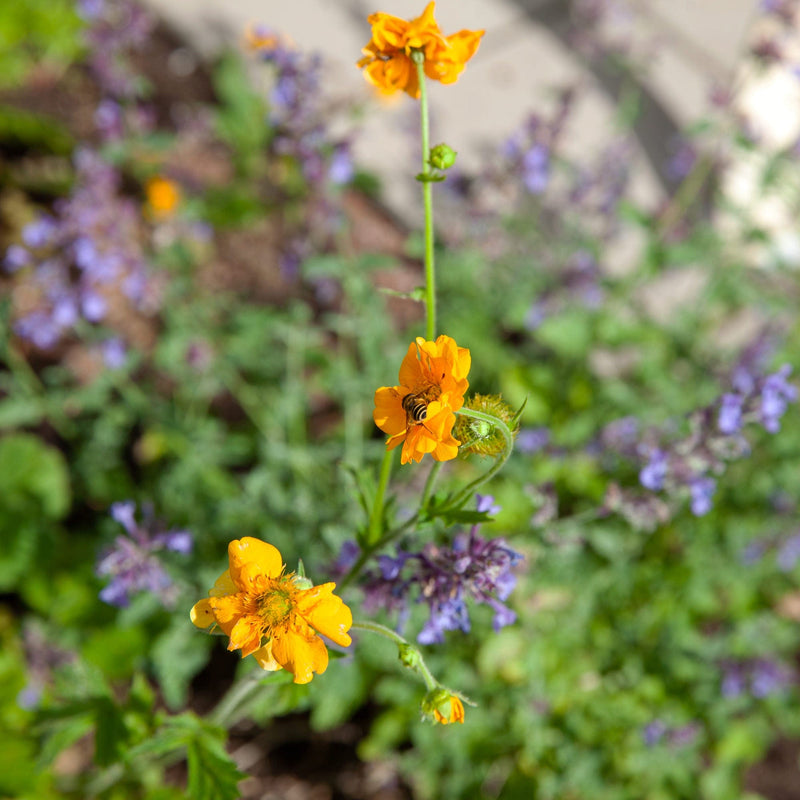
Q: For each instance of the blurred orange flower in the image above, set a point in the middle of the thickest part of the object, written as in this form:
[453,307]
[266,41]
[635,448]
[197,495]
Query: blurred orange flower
[268,614]
[387,61]
[163,196]
[419,413]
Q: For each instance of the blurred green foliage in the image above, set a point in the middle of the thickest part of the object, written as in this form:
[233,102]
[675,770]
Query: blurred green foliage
[617,627]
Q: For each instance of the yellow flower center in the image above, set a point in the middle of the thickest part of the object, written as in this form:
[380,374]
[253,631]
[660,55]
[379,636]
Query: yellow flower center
[276,605]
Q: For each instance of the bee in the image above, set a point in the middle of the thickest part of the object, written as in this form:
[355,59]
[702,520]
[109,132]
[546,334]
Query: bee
[415,404]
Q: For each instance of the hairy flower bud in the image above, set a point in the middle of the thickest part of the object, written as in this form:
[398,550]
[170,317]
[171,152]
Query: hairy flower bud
[442,156]
[480,436]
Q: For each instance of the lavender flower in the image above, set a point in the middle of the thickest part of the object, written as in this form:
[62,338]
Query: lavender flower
[730,413]
[115,29]
[445,578]
[654,472]
[42,658]
[769,677]
[654,732]
[701,490]
[532,440]
[776,394]
[715,433]
[90,246]
[762,677]
[789,553]
[132,564]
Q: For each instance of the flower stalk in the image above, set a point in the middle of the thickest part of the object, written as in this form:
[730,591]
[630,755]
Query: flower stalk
[499,462]
[418,56]
[376,517]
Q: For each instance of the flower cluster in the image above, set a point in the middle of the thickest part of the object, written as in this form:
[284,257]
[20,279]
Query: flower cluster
[273,615]
[658,732]
[132,563]
[446,577]
[760,677]
[302,134]
[388,61]
[42,658]
[114,29]
[420,412]
[715,437]
[76,258]
[576,282]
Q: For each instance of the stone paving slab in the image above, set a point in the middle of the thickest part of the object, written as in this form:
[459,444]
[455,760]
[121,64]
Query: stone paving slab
[517,67]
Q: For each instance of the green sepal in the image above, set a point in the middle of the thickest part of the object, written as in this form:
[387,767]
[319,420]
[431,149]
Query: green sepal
[427,177]
[417,294]
[514,421]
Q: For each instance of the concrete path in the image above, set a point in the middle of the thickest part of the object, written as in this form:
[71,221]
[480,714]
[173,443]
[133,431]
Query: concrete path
[687,45]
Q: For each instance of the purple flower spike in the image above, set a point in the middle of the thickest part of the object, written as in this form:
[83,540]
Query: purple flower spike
[654,732]
[789,553]
[702,491]
[776,394]
[654,473]
[132,564]
[730,413]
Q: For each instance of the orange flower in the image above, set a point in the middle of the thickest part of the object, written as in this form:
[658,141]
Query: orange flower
[456,711]
[163,197]
[268,614]
[420,411]
[387,61]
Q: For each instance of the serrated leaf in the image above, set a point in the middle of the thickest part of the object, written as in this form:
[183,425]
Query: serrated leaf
[212,773]
[32,471]
[178,655]
[111,734]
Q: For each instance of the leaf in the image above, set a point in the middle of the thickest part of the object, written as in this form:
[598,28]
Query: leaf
[427,178]
[212,773]
[417,294]
[112,732]
[178,655]
[32,471]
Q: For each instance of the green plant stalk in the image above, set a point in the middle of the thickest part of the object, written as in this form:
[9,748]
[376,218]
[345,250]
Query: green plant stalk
[224,713]
[499,462]
[427,199]
[374,531]
[420,665]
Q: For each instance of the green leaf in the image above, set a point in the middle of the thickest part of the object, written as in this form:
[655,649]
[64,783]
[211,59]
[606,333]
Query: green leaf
[32,471]
[112,732]
[417,294]
[212,773]
[178,655]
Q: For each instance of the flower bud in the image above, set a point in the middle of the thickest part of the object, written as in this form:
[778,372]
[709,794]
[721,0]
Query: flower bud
[443,706]
[409,656]
[442,156]
[480,436]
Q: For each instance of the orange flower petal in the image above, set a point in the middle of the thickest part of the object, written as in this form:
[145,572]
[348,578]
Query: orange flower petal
[301,655]
[389,414]
[202,615]
[326,613]
[265,658]
[249,557]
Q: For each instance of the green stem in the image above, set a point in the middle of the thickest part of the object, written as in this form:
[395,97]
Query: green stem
[431,480]
[375,519]
[224,714]
[404,645]
[501,459]
[427,198]
[368,550]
